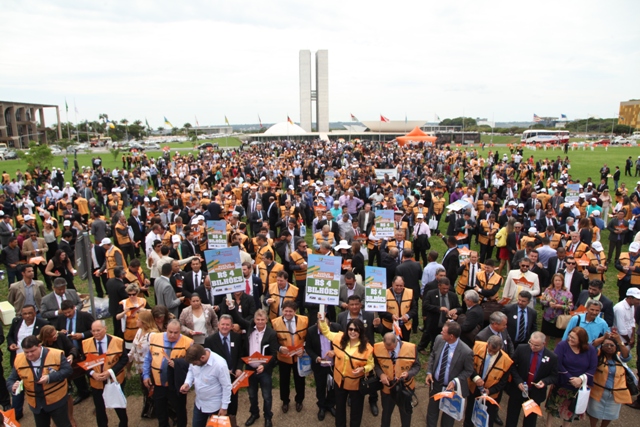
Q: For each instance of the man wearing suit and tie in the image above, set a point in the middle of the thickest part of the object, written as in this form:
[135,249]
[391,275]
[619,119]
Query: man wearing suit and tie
[256,218]
[535,366]
[193,279]
[521,319]
[436,306]
[252,283]
[228,345]
[116,361]
[350,287]
[261,339]
[138,228]
[319,349]
[50,308]
[189,246]
[450,359]
[366,219]
[451,260]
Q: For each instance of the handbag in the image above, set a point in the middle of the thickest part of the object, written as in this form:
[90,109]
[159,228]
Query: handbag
[632,381]
[582,398]
[454,406]
[112,394]
[370,384]
[304,365]
[563,320]
[480,415]
[433,223]
[501,238]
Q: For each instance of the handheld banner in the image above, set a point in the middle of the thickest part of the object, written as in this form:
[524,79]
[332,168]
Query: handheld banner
[225,270]
[323,280]
[216,234]
[375,289]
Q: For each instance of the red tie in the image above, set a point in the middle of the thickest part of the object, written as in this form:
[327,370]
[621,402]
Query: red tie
[248,288]
[533,368]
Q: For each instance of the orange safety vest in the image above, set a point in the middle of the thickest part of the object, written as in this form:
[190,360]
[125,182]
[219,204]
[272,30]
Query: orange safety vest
[286,339]
[122,240]
[404,360]
[620,391]
[481,281]
[53,392]
[463,279]
[111,260]
[486,228]
[398,309]
[274,293]
[321,239]
[356,360]
[132,319]
[260,251]
[114,351]
[438,204]
[625,261]
[501,365]
[593,262]
[273,275]
[299,259]
[159,353]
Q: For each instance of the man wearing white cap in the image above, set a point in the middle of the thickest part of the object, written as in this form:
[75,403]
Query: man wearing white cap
[596,266]
[113,258]
[628,265]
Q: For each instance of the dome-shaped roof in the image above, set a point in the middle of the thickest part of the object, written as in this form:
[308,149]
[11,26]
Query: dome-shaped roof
[284,128]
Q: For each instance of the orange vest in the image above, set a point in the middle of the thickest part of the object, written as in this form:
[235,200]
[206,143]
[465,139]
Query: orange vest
[463,279]
[625,261]
[274,294]
[404,360]
[481,281]
[500,367]
[273,275]
[114,351]
[286,339]
[398,309]
[53,392]
[356,360]
[122,239]
[593,262]
[299,259]
[484,238]
[132,319]
[159,353]
[620,391]
[111,261]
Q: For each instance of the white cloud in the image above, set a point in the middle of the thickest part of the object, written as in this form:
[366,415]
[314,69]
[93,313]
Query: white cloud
[144,58]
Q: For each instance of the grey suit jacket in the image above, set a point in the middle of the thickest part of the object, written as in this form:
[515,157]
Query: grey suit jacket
[166,295]
[5,234]
[507,344]
[461,366]
[358,290]
[49,304]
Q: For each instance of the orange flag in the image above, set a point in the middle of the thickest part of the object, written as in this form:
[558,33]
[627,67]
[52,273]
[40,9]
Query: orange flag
[92,361]
[295,350]
[256,358]
[241,381]
[10,418]
[218,421]
[442,394]
[531,407]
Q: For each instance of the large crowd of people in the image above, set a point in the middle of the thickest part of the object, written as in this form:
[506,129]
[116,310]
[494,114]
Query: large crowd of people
[520,236]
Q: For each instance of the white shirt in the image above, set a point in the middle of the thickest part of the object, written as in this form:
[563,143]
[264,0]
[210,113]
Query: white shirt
[24,332]
[568,275]
[212,383]
[255,340]
[623,318]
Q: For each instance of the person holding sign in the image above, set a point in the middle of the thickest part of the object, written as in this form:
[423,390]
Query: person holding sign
[401,308]
[395,362]
[43,373]
[353,361]
[208,374]
[534,369]
[278,293]
[292,333]
[318,347]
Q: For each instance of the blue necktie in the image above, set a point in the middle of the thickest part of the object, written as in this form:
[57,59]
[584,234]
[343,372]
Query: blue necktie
[444,362]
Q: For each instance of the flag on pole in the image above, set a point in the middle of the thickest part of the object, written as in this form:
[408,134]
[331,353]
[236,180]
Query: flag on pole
[75,107]
[111,125]
[66,106]
[260,121]
[289,120]
[563,116]
[197,124]
[226,120]
[167,122]
[405,119]
[537,118]
[437,118]
[354,118]
[383,119]
[147,123]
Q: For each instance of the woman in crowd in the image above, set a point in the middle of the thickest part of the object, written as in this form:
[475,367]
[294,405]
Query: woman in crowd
[584,228]
[503,253]
[51,338]
[50,238]
[139,349]
[129,316]
[576,357]
[161,316]
[609,390]
[594,229]
[605,198]
[556,301]
[153,261]
[354,355]
[198,320]
[60,266]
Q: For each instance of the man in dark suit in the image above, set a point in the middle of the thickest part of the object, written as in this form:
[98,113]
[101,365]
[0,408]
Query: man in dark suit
[50,308]
[273,213]
[497,326]
[76,325]
[411,271]
[465,225]
[116,291]
[618,228]
[30,321]
[548,220]
[256,218]
[521,319]
[350,287]
[139,232]
[252,283]
[442,369]
[321,365]
[437,305]
[214,209]
[578,281]
[556,264]
[230,346]
[595,292]
[451,260]
[366,219]
[371,325]
[189,246]
[474,317]
[267,346]
[535,366]
[513,240]
[99,281]
[389,262]
[333,225]
[206,293]
[193,279]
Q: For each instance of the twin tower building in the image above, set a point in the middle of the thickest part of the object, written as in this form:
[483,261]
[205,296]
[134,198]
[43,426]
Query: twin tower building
[319,95]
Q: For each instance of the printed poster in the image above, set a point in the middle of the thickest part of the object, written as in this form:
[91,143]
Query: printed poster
[375,289]
[225,270]
[323,280]
[384,224]
[217,234]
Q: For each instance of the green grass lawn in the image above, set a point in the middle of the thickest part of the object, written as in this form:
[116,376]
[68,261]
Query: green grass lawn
[584,164]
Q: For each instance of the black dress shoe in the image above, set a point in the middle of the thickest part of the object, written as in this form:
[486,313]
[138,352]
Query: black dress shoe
[499,420]
[298,406]
[321,414]
[374,409]
[268,423]
[635,404]
[285,408]
[332,411]
[79,399]
[252,419]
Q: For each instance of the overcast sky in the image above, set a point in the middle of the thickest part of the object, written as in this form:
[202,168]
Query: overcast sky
[207,58]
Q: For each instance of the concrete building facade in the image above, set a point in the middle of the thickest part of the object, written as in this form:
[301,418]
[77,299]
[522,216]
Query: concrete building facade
[23,122]
[321,93]
[630,113]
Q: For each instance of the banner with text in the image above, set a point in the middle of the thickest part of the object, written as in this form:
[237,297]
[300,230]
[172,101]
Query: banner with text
[329,177]
[225,270]
[217,234]
[573,193]
[391,173]
[384,224]
[375,289]
[323,280]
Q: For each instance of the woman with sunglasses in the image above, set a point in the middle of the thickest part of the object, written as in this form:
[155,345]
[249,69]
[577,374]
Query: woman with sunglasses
[609,390]
[129,316]
[353,361]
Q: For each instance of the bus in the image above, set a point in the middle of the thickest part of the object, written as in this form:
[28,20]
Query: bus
[541,136]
